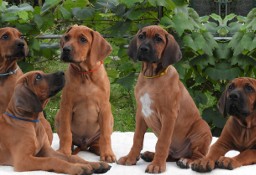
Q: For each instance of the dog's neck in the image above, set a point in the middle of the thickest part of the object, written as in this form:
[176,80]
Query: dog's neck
[152,69]
[84,70]
[248,122]
[11,109]
[8,66]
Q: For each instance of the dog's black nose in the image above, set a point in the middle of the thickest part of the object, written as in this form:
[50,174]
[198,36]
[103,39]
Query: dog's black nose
[144,49]
[234,96]
[61,73]
[20,44]
[66,49]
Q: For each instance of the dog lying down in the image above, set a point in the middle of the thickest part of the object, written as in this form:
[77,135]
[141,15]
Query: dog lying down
[23,141]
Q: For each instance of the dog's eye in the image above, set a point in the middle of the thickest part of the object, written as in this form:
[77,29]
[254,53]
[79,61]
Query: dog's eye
[38,77]
[5,37]
[66,38]
[141,36]
[83,39]
[158,39]
[231,87]
[249,88]
[22,37]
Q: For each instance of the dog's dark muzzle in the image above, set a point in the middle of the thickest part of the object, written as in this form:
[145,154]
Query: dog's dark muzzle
[236,104]
[146,53]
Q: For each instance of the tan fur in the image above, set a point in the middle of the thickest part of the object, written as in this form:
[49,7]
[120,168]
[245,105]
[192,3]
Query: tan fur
[238,134]
[24,144]
[174,118]
[8,62]
[85,109]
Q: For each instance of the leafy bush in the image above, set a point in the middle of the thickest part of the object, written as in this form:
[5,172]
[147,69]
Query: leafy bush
[210,57]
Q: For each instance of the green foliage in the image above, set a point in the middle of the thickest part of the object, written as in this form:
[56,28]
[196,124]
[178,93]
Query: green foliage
[208,63]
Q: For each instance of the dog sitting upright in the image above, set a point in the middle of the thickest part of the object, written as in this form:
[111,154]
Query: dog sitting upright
[13,47]
[85,118]
[23,141]
[164,104]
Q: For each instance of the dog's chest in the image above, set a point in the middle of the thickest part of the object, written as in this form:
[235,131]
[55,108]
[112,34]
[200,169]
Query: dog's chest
[146,105]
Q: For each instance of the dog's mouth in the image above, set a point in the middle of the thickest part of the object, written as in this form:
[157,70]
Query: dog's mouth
[236,111]
[55,91]
[20,54]
[58,83]
[66,57]
[147,58]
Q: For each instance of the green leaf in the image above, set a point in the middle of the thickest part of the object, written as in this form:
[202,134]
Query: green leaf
[243,61]
[189,42]
[7,17]
[181,2]
[216,17]
[130,3]
[223,51]
[35,44]
[48,5]
[204,19]
[128,81]
[26,67]
[38,19]
[23,15]
[83,13]
[227,18]
[113,73]
[70,4]
[22,7]
[212,116]
[223,31]
[65,13]
[203,61]
[182,23]
[199,98]
[134,14]
[222,71]
[236,39]
[253,45]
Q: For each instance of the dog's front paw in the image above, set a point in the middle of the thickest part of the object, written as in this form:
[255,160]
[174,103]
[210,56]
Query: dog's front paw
[81,169]
[156,168]
[100,167]
[127,160]
[108,157]
[65,151]
[203,165]
[147,156]
[183,163]
[227,163]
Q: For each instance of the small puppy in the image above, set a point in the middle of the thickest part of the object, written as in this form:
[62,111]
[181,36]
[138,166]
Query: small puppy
[239,133]
[164,105]
[23,141]
[85,118]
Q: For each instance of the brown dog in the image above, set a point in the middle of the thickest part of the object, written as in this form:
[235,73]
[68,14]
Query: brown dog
[239,133]
[23,140]
[164,104]
[13,47]
[85,117]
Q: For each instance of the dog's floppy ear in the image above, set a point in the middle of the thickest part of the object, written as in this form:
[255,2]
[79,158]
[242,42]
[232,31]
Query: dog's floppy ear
[222,103]
[26,100]
[100,48]
[172,52]
[132,49]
